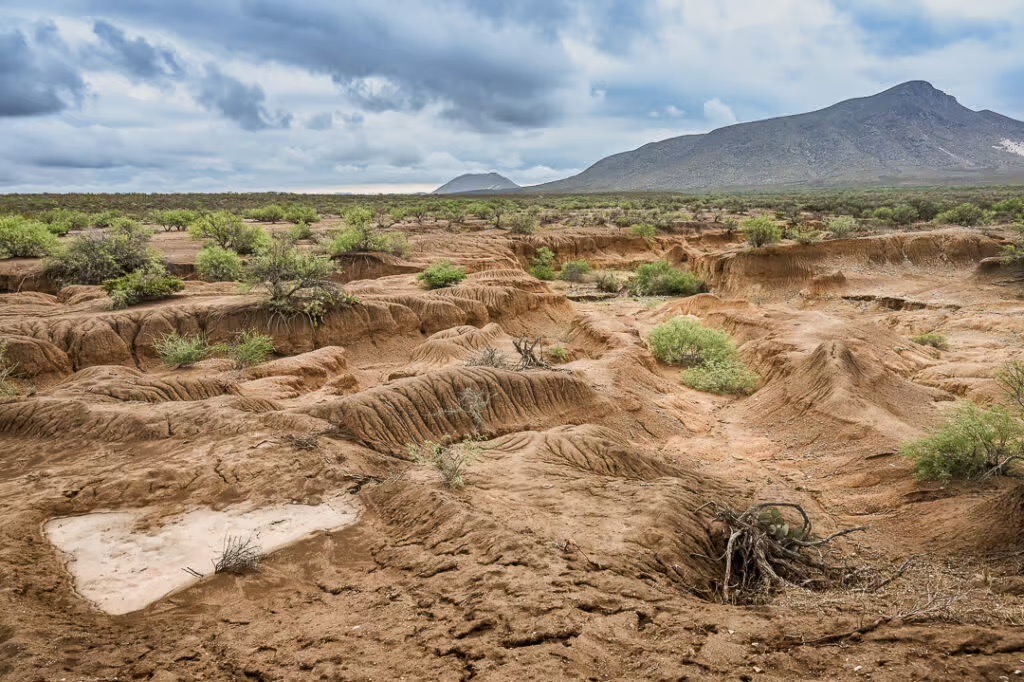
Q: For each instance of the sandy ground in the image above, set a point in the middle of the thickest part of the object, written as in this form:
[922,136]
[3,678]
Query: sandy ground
[581,546]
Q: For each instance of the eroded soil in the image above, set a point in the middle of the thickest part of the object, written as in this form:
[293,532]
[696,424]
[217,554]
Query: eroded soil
[577,549]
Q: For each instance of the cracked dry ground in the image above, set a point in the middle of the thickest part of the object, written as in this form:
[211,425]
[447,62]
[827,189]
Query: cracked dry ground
[576,549]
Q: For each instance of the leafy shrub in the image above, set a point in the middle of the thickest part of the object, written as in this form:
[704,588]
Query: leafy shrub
[608,283]
[523,222]
[61,220]
[806,236]
[182,350]
[543,264]
[451,460]
[904,214]
[271,213]
[932,339]
[644,230]
[216,264]
[761,231]
[966,214]
[297,282]
[575,270]
[21,238]
[298,214]
[95,258]
[558,354]
[250,348]
[661,279]
[230,232]
[299,231]
[148,283]
[842,226]
[364,238]
[105,218]
[174,219]
[710,356]
[973,443]
[442,274]
[1010,209]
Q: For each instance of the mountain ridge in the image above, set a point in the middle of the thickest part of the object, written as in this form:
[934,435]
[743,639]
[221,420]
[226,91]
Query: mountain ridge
[477,182]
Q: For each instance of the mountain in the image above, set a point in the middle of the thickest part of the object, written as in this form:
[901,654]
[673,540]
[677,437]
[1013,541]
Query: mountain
[477,182]
[911,134]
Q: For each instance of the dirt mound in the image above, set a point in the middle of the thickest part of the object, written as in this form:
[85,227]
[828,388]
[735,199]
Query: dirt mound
[456,344]
[356,266]
[131,385]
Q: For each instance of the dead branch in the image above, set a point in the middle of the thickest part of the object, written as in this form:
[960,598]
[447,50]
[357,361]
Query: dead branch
[527,348]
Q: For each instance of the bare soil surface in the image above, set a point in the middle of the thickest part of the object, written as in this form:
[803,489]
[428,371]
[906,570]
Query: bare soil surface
[581,546]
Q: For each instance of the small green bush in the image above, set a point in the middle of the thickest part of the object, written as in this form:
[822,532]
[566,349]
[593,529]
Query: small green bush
[62,220]
[442,274]
[21,238]
[298,214]
[364,238]
[661,279]
[644,230]
[451,460]
[932,339]
[710,356]
[558,354]
[575,270]
[973,443]
[250,348]
[523,222]
[723,378]
[297,282]
[761,231]
[904,214]
[174,219]
[217,264]
[608,283]
[842,226]
[230,232]
[182,350]
[543,264]
[95,258]
[966,214]
[148,283]
[806,237]
[271,213]
[104,219]
[300,231]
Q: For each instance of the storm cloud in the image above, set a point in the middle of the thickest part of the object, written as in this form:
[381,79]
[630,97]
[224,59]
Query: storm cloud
[35,77]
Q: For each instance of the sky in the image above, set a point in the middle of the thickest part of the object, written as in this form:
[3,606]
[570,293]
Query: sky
[402,95]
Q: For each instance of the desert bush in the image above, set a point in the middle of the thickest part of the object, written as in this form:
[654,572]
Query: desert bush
[932,339]
[644,230]
[558,354]
[965,214]
[761,231]
[364,238]
[174,219]
[489,357]
[973,444]
[297,282]
[442,274]
[229,231]
[21,238]
[148,283]
[904,214]
[7,368]
[239,556]
[250,348]
[271,213]
[95,258]
[451,460]
[842,226]
[1009,209]
[575,270]
[182,350]
[217,264]
[661,279]
[608,283]
[104,218]
[299,231]
[543,264]
[523,222]
[806,236]
[710,356]
[299,213]
[357,216]
[60,221]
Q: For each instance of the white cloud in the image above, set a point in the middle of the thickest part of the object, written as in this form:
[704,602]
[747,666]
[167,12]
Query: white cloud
[718,113]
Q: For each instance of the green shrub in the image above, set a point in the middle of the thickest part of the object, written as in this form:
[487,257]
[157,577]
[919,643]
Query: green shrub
[842,226]
[966,214]
[95,258]
[175,219]
[807,237]
[608,283]
[644,230]
[932,339]
[217,264]
[104,219]
[543,264]
[451,460]
[296,281]
[182,350]
[442,274]
[148,283]
[523,222]
[973,443]
[62,220]
[21,238]
[710,356]
[904,214]
[364,238]
[298,214]
[229,231]
[271,213]
[1010,209]
[761,231]
[357,216]
[558,354]
[299,231]
[661,279]
[250,348]
[575,270]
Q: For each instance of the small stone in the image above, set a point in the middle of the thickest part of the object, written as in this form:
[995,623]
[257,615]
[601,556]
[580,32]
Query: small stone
[858,668]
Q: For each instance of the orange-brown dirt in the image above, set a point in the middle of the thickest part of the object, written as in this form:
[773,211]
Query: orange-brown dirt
[578,548]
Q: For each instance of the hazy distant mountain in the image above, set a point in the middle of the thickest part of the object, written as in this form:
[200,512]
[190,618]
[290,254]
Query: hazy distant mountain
[910,134]
[476,182]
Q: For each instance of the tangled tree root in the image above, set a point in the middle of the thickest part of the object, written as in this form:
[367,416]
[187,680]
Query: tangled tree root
[766,551]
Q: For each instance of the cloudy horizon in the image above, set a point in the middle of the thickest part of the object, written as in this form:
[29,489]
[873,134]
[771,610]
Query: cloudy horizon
[253,95]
